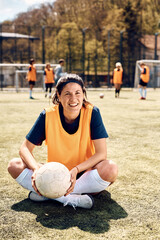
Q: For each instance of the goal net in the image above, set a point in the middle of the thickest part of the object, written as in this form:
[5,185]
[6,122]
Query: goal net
[154,68]
[14,75]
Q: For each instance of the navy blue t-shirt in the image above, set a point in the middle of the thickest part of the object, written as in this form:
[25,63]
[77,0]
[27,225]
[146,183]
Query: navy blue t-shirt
[37,133]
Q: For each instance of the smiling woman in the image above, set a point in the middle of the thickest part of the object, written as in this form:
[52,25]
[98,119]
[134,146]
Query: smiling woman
[76,137]
[72,96]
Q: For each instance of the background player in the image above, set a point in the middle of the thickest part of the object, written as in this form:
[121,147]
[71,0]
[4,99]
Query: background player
[117,78]
[59,70]
[31,77]
[49,79]
[144,79]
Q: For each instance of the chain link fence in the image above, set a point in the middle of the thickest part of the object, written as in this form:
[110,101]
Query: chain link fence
[91,57]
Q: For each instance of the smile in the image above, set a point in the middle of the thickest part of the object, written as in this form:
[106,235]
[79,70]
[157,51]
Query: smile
[73,104]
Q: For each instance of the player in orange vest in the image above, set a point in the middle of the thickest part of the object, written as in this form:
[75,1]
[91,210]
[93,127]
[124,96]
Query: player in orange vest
[117,78]
[31,77]
[144,79]
[49,79]
[75,136]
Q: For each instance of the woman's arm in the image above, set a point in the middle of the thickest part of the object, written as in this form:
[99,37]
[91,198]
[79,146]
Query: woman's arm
[26,155]
[28,158]
[100,155]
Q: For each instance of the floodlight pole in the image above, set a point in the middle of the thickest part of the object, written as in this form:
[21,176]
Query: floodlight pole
[29,48]
[121,46]
[15,45]
[108,78]
[156,58]
[1,57]
[1,48]
[43,44]
[83,52]
[155,49]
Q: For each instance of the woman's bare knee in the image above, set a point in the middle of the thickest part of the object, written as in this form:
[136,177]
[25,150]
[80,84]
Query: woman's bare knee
[15,167]
[108,170]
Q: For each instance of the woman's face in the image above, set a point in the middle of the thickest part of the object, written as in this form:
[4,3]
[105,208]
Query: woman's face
[71,99]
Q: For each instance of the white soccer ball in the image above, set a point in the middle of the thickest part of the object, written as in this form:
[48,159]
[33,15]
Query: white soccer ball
[53,180]
[101,95]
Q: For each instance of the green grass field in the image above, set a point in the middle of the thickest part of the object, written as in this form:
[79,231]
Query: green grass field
[129,209]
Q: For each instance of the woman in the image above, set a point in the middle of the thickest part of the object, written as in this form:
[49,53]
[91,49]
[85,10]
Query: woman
[49,79]
[75,136]
[31,77]
[144,79]
[117,78]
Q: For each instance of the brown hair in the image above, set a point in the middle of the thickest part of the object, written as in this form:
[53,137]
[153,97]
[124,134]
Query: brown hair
[67,78]
[31,61]
[61,60]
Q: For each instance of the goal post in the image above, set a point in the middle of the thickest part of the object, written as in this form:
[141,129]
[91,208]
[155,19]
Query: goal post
[23,73]
[14,75]
[154,68]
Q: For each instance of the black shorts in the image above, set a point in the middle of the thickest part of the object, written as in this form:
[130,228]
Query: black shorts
[144,84]
[31,83]
[80,174]
[49,85]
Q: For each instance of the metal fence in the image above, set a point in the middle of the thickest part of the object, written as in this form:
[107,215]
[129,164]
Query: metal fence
[95,64]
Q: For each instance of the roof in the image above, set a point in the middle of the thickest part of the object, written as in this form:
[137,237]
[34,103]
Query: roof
[149,41]
[5,35]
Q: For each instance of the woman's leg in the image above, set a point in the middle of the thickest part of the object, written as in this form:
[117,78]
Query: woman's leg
[98,179]
[19,171]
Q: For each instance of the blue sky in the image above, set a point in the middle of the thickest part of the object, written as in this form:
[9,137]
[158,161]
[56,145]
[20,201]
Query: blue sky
[10,8]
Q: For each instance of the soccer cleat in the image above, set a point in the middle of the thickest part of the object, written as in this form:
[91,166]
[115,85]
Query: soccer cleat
[36,198]
[142,98]
[31,98]
[83,201]
[74,200]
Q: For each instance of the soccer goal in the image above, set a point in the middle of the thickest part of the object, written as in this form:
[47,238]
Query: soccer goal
[154,67]
[14,75]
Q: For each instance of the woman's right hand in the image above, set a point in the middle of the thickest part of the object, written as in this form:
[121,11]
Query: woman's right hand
[34,178]
[73,172]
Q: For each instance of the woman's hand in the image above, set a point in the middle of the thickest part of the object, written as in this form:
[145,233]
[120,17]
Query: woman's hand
[73,172]
[34,178]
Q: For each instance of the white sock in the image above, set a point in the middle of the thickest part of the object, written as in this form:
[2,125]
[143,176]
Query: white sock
[90,182]
[141,92]
[145,93]
[30,93]
[24,179]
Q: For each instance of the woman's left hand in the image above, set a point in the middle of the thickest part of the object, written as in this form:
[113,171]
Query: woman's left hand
[73,173]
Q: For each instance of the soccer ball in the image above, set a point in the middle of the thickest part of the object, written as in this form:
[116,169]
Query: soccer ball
[101,95]
[53,180]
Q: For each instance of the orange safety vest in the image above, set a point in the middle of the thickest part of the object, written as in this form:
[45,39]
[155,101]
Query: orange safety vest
[117,76]
[49,77]
[68,149]
[31,76]
[145,77]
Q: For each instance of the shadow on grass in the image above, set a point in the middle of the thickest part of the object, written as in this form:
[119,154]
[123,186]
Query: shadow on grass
[122,98]
[51,214]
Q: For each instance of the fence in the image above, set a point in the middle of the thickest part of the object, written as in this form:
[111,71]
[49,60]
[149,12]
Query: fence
[91,56]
